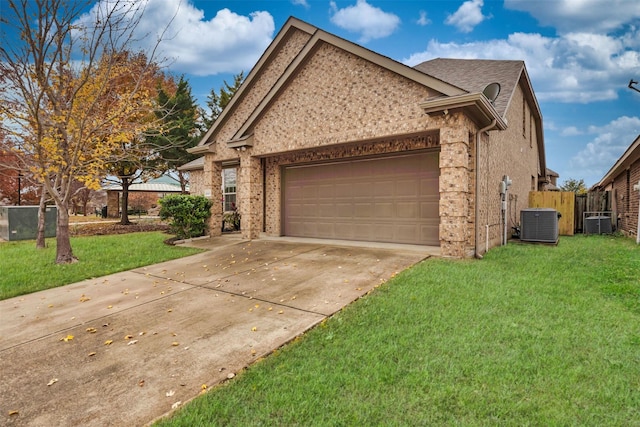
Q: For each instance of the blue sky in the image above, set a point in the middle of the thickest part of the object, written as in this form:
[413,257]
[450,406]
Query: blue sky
[580,54]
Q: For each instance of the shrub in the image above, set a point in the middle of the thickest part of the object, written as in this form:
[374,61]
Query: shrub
[188,214]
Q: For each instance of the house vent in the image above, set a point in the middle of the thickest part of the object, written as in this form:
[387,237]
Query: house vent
[539,225]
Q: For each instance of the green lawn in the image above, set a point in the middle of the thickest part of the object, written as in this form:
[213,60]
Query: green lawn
[531,335]
[24,269]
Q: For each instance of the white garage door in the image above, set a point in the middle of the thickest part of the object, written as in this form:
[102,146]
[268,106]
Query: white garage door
[391,199]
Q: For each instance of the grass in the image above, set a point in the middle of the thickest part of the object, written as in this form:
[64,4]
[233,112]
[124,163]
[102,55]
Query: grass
[24,269]
[531,335]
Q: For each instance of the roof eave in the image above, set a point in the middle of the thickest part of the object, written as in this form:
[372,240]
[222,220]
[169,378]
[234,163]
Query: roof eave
[476,106]
[628,157]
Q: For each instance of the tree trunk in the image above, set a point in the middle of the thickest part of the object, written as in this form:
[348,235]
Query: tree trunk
[183,182]
[64,253]
[40,242]
[124,217]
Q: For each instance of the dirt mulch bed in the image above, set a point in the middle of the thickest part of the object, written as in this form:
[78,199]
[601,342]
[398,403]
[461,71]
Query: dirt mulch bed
[99,229]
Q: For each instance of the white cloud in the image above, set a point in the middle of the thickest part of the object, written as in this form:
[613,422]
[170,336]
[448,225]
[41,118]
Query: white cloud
[575,67]
[300,3]
[580,15]
[226,43]
[467,16]
[608,144]
[571,131]
[371,22]
[423,20]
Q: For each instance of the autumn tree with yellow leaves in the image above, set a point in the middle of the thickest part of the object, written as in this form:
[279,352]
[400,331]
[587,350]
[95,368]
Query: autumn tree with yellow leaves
[64,72]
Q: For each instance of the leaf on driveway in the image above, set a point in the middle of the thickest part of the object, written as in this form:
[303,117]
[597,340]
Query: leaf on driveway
[175,405]
[52,382]
[132,342]
[13,413]
[67,338]
[93,353]
[175,344]
[84,298]
[92,330]
[108,342]
[128,337]
[170,393]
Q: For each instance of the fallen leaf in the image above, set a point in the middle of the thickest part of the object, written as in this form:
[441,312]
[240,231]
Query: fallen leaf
[253,351]
[67,338]
[92,330]
[254,329]
[50,305]
[132,342]
[93,353]
[281,311]
[170,393]
[109,306]
[12,413]
[170,310]
[175,344]
[230,375]
[52,382]
[203,386]
[108,342]
[175,405]
[141,383]
[84,298]
[128,337]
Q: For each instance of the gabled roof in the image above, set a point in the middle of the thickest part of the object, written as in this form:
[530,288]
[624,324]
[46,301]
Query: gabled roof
[317,38]
[630,156]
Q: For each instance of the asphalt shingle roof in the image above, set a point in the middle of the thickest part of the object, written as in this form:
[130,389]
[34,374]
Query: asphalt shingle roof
[473,75]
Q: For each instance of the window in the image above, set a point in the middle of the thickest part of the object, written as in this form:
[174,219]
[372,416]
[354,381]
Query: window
[229,189]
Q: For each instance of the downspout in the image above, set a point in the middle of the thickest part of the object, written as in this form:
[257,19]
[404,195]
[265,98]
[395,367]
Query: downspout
[477,204]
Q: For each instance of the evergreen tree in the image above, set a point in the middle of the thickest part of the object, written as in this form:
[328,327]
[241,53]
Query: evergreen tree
[217,102]
[180,129]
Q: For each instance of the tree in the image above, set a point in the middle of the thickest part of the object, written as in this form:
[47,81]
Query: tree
[178,116]
[217,102]
[136,155]
[574,185]
[57,104]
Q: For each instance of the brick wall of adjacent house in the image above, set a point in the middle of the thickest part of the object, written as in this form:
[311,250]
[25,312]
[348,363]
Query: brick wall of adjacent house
[626,199]
[512,152]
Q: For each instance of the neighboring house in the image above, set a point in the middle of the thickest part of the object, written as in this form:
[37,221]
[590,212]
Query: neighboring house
[157,188]
[552,180]
[619,182]
[331,140]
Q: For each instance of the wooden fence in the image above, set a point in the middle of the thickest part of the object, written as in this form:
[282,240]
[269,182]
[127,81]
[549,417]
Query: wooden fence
[562,201]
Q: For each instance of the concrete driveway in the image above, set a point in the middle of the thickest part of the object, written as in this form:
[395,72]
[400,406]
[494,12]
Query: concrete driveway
[127,348]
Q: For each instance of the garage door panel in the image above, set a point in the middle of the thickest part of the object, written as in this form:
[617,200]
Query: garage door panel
[393,199]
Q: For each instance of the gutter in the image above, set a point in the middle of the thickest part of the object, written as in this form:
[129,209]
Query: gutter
[477,204]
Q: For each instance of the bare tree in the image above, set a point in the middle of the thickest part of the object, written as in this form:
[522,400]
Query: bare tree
[60,67]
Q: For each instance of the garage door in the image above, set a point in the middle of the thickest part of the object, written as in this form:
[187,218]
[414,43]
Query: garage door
[391,199]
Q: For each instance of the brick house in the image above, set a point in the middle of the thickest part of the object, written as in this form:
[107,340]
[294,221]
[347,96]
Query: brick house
[618,183]
[327,139]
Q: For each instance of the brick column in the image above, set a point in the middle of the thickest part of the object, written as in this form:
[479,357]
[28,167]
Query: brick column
[212,189]
[454,190]
[249,197]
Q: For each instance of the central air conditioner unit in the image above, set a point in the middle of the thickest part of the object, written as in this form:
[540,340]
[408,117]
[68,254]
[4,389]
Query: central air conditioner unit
[539,225]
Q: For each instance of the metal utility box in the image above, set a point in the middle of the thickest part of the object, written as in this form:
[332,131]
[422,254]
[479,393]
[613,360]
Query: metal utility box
[598,225]
[21,222]
[539,225]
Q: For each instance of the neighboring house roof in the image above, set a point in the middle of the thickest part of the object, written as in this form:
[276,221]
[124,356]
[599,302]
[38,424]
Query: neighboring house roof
[630,156]
[150,187]
[551,172]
